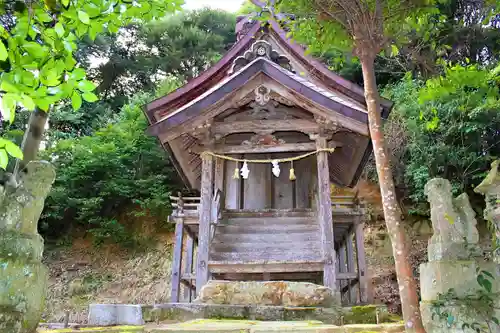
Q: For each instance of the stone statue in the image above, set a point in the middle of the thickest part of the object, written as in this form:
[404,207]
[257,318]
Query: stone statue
[490,188]
[23,278]
[453,220]
[454,260]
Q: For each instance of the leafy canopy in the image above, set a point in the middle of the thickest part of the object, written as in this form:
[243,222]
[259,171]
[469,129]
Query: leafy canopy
[38,40]
[450,123]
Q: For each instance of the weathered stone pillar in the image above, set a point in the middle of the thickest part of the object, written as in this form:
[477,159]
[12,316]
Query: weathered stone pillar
[23,278]
[490,188]
[454,261]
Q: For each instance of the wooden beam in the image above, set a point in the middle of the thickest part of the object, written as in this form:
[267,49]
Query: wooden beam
[325,216]
[342,263]
[283,148]
[207,178]
[362,273]
[177,262]
[350,266]
[299,125]
[188,266]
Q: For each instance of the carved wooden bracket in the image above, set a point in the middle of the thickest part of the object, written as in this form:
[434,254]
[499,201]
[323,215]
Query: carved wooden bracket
[203,133]
[327,127]
[263,139]
[263,49]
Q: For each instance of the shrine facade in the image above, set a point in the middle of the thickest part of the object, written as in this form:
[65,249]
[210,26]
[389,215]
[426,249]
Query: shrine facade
[263,135]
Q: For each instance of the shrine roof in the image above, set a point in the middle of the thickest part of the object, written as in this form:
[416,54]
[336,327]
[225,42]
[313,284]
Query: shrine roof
[158,108]
[313,87]
[328,99]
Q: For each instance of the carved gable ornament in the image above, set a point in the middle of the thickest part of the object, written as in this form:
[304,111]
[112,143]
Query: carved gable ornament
[263,49]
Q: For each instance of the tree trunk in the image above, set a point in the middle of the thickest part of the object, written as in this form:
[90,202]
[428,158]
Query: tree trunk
[406,282]
[32,138]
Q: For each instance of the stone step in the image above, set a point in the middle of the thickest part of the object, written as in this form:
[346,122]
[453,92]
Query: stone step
[262,266]
[262,255]
[271,238]
[220,246]
[278,228]
[270,213]
[237,326]
[277,220]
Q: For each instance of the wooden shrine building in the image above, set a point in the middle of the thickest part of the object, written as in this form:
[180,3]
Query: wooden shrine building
[262,135]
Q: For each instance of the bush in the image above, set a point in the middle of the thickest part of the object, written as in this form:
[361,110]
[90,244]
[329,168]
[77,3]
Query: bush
[100,177]
[450,129]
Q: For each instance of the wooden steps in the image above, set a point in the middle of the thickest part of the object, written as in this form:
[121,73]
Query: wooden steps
[250,244]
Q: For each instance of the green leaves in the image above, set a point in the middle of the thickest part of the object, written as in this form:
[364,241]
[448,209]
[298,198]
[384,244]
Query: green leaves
[86,86]
[10,148]
[484,282]
[76,101]
[4,159]
[35,50]
[395,50]
[59,28]
[43,40]
[83,17]
[3,52]
[78,74]
[90,97]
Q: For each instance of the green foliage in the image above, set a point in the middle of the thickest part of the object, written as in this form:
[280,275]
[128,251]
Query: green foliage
[140,56]
[107,174]
[480,305]
[38,40]
[191,41]
[450,128]
[248,7]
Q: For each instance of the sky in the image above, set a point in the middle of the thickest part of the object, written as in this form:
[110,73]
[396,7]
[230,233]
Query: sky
[229,5]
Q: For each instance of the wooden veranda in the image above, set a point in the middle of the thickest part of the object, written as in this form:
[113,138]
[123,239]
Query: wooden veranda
[350,274]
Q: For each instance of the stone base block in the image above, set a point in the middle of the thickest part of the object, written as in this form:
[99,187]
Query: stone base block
[439,277]
[276,293]
[115,314]
[184,312]
[458,315]
[228,326]
[22,295]
[440,251]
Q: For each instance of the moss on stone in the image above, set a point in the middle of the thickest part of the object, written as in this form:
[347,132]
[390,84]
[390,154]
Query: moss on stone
[117,329]
[366,314]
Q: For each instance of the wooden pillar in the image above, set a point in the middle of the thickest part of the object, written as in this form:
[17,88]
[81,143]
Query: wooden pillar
[360,253]
[324,210]
[207,179]
[342,265]
[188,266]
[177,261]
[337,269]
[350,266]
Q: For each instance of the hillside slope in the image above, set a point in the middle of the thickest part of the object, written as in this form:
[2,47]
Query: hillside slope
[81,274]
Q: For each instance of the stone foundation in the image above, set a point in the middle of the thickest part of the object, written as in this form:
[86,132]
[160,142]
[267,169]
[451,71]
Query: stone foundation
[277,293]
[449,282]
[23,278]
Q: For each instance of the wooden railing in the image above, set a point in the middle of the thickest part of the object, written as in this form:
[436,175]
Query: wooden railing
[188,208]
[347,203]
[185,207]
[217,205]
